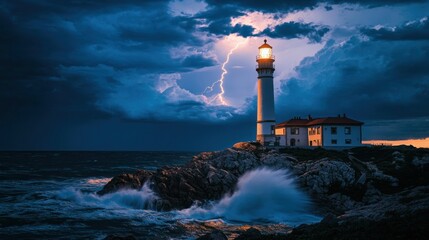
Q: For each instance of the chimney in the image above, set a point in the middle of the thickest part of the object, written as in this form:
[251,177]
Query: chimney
[339,115]
[309,117]
[344,115]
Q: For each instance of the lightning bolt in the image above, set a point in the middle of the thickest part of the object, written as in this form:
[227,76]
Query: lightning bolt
[220,96]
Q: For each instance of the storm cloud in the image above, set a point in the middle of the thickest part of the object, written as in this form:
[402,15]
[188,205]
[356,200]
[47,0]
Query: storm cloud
[415,30]
[290,30]
[105,74]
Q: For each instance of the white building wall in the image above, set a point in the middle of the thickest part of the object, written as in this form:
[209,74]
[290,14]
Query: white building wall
[341,136]
[301,139]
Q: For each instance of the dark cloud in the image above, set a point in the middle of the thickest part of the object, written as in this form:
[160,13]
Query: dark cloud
[198,61]
[417,30]
[272,6]
[291,5]
[126,35]
[374,3]
[223,27]
[369,80]
[290,30]
[46,8]
[218,20]
[51,45]
[243,30]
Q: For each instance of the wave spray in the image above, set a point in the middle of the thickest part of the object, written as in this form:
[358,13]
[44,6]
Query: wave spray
[262,195]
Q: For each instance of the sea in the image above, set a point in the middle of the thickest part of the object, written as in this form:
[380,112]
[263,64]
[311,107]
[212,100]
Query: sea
[52,195]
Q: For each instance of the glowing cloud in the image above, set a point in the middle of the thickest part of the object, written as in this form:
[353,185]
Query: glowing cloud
[220,96]
[419,143]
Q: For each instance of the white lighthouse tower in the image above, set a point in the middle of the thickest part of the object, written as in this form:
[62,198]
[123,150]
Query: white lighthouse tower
[266,119]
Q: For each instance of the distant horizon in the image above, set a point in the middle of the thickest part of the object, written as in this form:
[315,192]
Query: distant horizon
[417,143]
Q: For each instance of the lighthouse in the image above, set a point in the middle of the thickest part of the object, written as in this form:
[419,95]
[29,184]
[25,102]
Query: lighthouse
[266,120]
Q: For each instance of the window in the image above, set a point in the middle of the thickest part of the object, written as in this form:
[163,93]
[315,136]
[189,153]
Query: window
[280,131]
[318,130]
[294,131]
[333,130]
[348,141]
[334,141]
[347,130]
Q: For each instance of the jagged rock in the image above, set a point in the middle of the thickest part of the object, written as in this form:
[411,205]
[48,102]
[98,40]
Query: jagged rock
[126,181]
[400,204]
[249,234]
[277,161]
[372,195]
[420,162]
[342,202]
[248,146]
[330,220]
[325,176]
[214,235]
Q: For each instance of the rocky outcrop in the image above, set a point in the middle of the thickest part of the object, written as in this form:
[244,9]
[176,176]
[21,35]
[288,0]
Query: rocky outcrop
[363,183]
[214,235]
[127,181]
[250,234]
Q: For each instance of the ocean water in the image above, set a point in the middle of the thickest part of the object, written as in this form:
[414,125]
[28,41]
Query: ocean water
[51,195]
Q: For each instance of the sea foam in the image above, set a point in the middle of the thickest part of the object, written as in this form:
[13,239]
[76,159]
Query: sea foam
[134,199]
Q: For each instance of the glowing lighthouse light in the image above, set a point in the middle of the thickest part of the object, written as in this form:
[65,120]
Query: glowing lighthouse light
[265,51]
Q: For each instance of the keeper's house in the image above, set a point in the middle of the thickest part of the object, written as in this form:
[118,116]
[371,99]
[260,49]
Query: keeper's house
[339,131]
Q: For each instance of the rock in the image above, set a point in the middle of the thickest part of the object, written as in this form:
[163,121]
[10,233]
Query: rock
[126,181]
[277,161]
[342,202]
[325,176]
[420,162]
[248,146]
[406,202]
[249,234]
[214,235]
[117,237]
[406,227]
[329,220]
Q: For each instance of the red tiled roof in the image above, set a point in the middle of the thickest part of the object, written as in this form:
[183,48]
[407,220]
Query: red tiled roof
[294,123]
[319,121]
[334,121]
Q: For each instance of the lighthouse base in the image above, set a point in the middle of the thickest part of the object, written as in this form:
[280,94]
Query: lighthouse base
[265,133]
[268,140]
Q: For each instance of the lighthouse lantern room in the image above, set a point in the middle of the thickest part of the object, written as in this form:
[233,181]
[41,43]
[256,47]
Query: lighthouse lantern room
[265,124]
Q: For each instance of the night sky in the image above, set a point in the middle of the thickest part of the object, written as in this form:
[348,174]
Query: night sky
[133,75]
